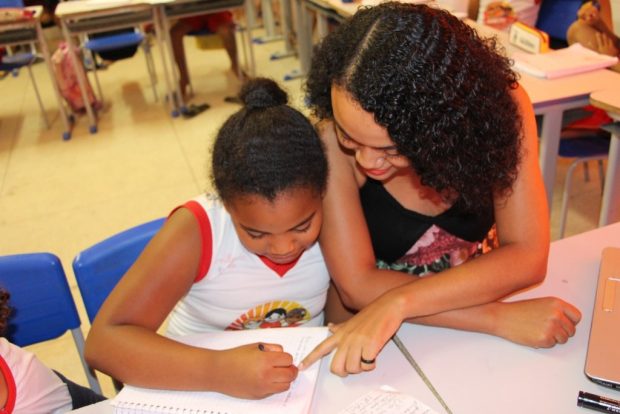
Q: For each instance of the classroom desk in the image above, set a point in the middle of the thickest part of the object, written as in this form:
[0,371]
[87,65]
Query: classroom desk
[609,100]
[333,394]
[177,9]
[550,98]
[477,373]
[26,31]
[90,16]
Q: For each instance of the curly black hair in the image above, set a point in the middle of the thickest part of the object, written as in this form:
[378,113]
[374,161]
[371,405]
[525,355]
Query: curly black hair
[441,91]
[5,310]
[267,147]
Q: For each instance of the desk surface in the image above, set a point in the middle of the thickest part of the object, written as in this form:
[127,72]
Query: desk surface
[9,25]
[478,373]
[333,394]
[67,9]
[608,99]
[545,91]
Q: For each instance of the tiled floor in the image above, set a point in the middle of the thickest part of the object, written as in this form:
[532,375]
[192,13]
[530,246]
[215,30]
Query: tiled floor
[63,196]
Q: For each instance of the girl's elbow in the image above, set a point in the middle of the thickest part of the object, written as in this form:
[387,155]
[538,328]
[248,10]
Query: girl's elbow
[90,354]
[94,349]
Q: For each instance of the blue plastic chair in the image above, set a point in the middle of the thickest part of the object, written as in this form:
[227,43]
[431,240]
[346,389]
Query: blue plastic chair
[42,304]
[99,268]
[118,41]
[593,147]
[12,63]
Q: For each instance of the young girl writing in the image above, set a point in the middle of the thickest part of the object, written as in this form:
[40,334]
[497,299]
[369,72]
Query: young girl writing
[434,187]
[245,260]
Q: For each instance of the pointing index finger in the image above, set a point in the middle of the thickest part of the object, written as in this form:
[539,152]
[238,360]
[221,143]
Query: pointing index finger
[318,352]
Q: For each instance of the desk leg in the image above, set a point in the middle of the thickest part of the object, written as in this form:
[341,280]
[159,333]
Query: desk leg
[160,26]
[269,24]
[247,34]
[61,105]
[287,28]
[176,97]
[610,208]
[322,29]
[304,40]
[549,145]
[81,77]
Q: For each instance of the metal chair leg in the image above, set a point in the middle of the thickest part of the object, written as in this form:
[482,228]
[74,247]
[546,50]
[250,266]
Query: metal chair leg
[93,58]
[150,65]
[36,91]
[568,184]
[601,174]
[566,195]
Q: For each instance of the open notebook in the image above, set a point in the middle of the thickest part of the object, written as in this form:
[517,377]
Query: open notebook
[296,341]
[563,62]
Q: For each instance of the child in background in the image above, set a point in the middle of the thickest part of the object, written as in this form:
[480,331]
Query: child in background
[220,23]
[593,29]
[29,387]
[228,262]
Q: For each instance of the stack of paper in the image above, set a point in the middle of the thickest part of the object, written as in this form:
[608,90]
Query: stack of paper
[564,62]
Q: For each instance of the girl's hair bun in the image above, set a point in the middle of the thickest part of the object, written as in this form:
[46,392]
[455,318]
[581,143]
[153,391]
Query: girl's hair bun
[260,93]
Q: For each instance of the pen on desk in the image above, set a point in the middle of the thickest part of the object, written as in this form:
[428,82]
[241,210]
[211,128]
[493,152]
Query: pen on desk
[598,403]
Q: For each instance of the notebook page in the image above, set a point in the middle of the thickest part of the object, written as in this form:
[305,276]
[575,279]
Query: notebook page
[296,341]
[385,401]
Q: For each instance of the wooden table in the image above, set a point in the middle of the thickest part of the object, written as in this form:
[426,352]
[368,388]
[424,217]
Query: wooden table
[609,100]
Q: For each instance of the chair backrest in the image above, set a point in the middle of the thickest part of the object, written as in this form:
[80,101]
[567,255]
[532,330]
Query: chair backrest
[99,268]
[555,16]
[41,302]
[17,4]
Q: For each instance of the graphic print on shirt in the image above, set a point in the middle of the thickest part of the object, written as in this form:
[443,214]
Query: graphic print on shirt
[276,314]
[438,250]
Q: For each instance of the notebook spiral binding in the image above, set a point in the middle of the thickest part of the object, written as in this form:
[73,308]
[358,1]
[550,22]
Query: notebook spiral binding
[143,408]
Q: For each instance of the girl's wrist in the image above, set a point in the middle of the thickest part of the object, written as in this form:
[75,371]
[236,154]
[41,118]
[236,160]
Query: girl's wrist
[402,304]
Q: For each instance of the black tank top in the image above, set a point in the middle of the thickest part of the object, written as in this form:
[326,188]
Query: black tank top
[412,242]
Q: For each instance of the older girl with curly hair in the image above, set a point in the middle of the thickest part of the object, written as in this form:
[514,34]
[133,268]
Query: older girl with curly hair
[432,147]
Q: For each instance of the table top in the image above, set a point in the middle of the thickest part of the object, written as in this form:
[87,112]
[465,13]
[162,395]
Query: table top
[477,373]
[333,393]
[80,7]
[552,91]
[9,25]
[608,99]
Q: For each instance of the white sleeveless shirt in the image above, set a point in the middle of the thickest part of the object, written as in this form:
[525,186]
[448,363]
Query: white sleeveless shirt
[237,290]
[32,387]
